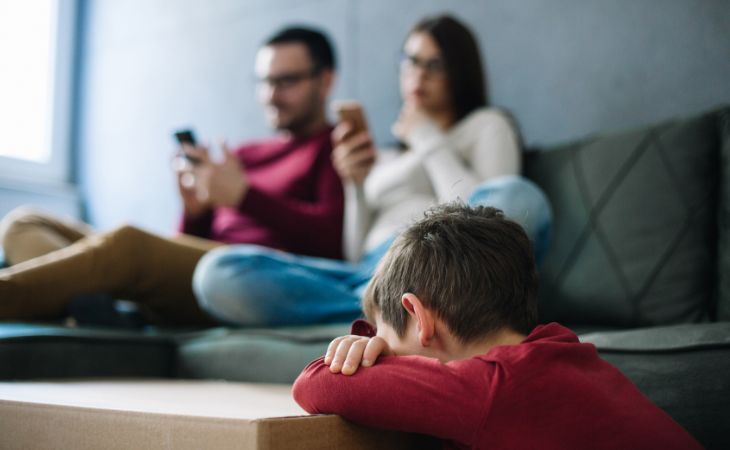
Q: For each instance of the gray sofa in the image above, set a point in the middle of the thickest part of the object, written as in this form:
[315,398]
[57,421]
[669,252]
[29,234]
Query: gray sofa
[639,265]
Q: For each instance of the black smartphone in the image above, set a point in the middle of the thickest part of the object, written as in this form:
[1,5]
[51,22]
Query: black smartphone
[187,136]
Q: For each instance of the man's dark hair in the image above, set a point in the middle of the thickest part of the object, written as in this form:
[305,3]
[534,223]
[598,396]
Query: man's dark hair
[316,41]
[470,265]
[463,61]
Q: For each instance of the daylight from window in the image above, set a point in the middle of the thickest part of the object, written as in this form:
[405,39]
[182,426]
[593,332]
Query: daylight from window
[27,29]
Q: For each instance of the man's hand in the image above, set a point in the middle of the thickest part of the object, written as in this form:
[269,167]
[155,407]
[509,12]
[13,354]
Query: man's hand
[226,182]
[187,182]
[353,155]
[346,353]
[215,183]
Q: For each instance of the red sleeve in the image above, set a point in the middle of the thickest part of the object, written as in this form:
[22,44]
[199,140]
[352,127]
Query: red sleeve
[311,227]
[407,393]
[361,327]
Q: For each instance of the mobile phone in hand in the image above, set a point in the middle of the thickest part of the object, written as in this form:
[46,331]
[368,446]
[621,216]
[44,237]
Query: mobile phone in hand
[351,111]
[187,136]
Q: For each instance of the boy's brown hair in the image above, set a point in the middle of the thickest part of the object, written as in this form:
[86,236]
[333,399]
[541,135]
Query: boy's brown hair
[470,265]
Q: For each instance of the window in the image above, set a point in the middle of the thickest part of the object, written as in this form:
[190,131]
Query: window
[36,43]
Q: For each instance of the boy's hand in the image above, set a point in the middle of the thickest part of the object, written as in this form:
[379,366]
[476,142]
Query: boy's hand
[346,353]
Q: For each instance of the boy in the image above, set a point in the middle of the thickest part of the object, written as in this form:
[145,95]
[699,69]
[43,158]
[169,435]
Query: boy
[459,355]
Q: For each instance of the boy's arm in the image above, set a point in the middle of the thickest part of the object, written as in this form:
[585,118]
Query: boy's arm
[407,393]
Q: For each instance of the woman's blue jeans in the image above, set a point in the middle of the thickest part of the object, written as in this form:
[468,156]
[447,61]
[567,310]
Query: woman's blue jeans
[250,285]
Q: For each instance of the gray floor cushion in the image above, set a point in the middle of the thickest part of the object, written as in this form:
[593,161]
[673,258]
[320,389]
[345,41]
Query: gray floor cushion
[32,351]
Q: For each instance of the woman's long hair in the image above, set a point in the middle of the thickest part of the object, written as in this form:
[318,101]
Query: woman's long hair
[460,52]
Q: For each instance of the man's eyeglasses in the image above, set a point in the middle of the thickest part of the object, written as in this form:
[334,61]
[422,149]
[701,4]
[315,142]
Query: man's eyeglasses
[288,80]
[431,67]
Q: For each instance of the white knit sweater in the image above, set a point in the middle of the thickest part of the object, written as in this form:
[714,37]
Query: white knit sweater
[439,166]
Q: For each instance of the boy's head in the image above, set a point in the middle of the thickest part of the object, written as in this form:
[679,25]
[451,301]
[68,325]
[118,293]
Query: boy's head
[470,267]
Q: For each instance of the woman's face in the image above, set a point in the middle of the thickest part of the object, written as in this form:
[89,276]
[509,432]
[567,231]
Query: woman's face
[423,80]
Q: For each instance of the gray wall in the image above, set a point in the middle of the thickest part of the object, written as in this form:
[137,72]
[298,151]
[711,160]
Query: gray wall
[565,68]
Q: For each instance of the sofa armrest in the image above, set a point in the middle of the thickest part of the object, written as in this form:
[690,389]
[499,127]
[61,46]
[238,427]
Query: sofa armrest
[683,369]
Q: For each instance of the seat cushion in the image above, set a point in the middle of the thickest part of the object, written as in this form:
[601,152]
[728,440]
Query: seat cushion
[682,369]
[635,225]
[270,355]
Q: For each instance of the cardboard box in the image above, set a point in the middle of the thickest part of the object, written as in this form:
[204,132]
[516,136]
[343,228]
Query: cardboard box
[169,414]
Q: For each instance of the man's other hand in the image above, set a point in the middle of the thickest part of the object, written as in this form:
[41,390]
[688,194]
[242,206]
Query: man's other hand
[353,154]
[226,182]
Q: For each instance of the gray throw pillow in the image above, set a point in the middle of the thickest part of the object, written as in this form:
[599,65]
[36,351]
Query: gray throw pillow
[635,232]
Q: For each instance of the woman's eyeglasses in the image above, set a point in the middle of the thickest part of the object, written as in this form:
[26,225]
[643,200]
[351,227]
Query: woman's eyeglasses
[431,67]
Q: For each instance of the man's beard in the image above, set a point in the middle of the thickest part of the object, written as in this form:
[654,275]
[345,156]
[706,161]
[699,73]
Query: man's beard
[302,121]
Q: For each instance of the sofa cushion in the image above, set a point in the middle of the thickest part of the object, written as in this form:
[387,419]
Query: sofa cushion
[635,231]
[271,355]
[682,369]
[723,304]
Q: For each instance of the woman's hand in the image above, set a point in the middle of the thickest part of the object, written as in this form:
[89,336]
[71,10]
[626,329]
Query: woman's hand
[346,353]
[409,118]
[353,154]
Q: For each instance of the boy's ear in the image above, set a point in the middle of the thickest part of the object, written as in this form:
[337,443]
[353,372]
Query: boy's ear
[424,318]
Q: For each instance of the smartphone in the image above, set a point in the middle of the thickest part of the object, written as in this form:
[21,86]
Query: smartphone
[351,111]
[187,136]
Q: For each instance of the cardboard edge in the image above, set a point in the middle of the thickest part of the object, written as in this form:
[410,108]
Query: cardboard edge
[47,426]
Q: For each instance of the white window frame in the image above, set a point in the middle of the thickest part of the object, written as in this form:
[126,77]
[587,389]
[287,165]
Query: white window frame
[58,167]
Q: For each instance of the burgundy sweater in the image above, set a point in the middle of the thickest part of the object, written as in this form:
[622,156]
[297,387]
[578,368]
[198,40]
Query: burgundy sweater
[548,392]
[295,200]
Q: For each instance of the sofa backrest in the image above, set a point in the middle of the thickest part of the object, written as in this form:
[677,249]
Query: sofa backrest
[635,237]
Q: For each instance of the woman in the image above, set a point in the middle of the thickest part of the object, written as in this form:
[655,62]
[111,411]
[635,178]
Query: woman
[456,148]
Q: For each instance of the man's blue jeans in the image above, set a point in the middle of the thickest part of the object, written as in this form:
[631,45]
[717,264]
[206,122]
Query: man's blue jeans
[250,285]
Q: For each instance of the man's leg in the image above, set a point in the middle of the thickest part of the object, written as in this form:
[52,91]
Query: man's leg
[126,262]
[255,286]
[26,233]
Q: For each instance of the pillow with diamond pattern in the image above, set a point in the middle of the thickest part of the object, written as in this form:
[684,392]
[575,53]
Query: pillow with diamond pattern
[635,225]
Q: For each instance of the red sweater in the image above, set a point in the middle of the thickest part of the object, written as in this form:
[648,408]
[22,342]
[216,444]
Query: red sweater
[548,392]
[295,200]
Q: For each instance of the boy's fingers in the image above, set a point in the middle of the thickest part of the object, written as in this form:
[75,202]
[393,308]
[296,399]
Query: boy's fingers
[341,354]
[376,346]
[354,356]
[330,354]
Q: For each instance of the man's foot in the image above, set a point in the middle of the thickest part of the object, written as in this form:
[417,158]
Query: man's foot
[104,310]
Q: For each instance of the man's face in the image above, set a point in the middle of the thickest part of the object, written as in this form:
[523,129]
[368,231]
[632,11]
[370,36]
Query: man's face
[292,92]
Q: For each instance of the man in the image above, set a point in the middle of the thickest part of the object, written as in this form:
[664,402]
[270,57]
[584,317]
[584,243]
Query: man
[278,193]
